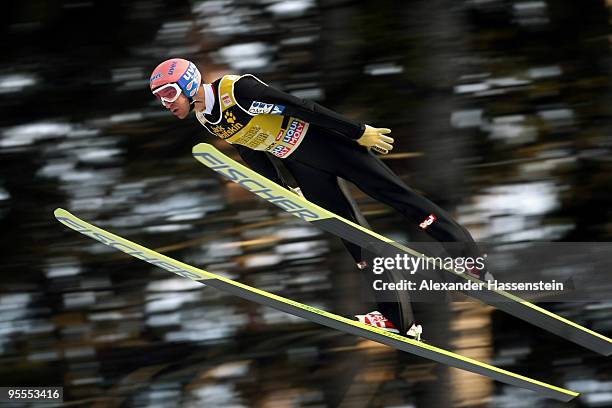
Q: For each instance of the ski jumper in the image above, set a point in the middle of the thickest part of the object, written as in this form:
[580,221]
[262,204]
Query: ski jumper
[318,145]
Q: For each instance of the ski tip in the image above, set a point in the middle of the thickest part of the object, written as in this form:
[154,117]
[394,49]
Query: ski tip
[203,147]
[60,212]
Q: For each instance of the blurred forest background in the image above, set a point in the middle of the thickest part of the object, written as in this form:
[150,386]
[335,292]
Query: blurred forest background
[501,112]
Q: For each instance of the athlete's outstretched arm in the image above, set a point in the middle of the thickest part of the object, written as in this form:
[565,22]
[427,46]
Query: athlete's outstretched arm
[248,89]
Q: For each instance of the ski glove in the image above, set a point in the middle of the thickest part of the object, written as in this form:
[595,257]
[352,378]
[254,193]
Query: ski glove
[375,139]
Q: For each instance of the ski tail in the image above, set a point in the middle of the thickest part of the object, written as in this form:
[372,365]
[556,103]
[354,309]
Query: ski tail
[310,313]
[383,246]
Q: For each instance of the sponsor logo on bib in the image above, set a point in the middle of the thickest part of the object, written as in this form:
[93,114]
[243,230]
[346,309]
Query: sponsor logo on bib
[229,117]
[226,100]
[294,132]
[278,109]
[280,151]
[280,134]
[225,132]
[260,107]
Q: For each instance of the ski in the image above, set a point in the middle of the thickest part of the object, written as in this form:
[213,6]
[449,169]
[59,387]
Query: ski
[310,313]
[383,246]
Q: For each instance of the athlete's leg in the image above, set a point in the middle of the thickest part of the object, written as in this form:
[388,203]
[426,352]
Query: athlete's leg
[322,189]
[358,165]
[372,176]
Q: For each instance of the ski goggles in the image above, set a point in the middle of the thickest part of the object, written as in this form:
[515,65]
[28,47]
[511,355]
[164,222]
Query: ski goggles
[167,93]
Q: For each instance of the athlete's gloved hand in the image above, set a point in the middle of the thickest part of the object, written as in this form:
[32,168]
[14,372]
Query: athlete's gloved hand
[374,138]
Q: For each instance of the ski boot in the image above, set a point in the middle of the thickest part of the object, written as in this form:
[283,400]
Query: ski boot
[376,319]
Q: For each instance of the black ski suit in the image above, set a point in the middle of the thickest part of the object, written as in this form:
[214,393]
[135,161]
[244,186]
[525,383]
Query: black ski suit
[329,150]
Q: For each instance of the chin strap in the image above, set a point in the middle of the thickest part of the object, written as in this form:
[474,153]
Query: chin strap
[193,100]
[192,104]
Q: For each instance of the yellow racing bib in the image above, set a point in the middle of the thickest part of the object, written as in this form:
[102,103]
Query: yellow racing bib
[261,126]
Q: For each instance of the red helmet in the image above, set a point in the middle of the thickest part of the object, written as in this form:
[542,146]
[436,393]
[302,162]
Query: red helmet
[177,71]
